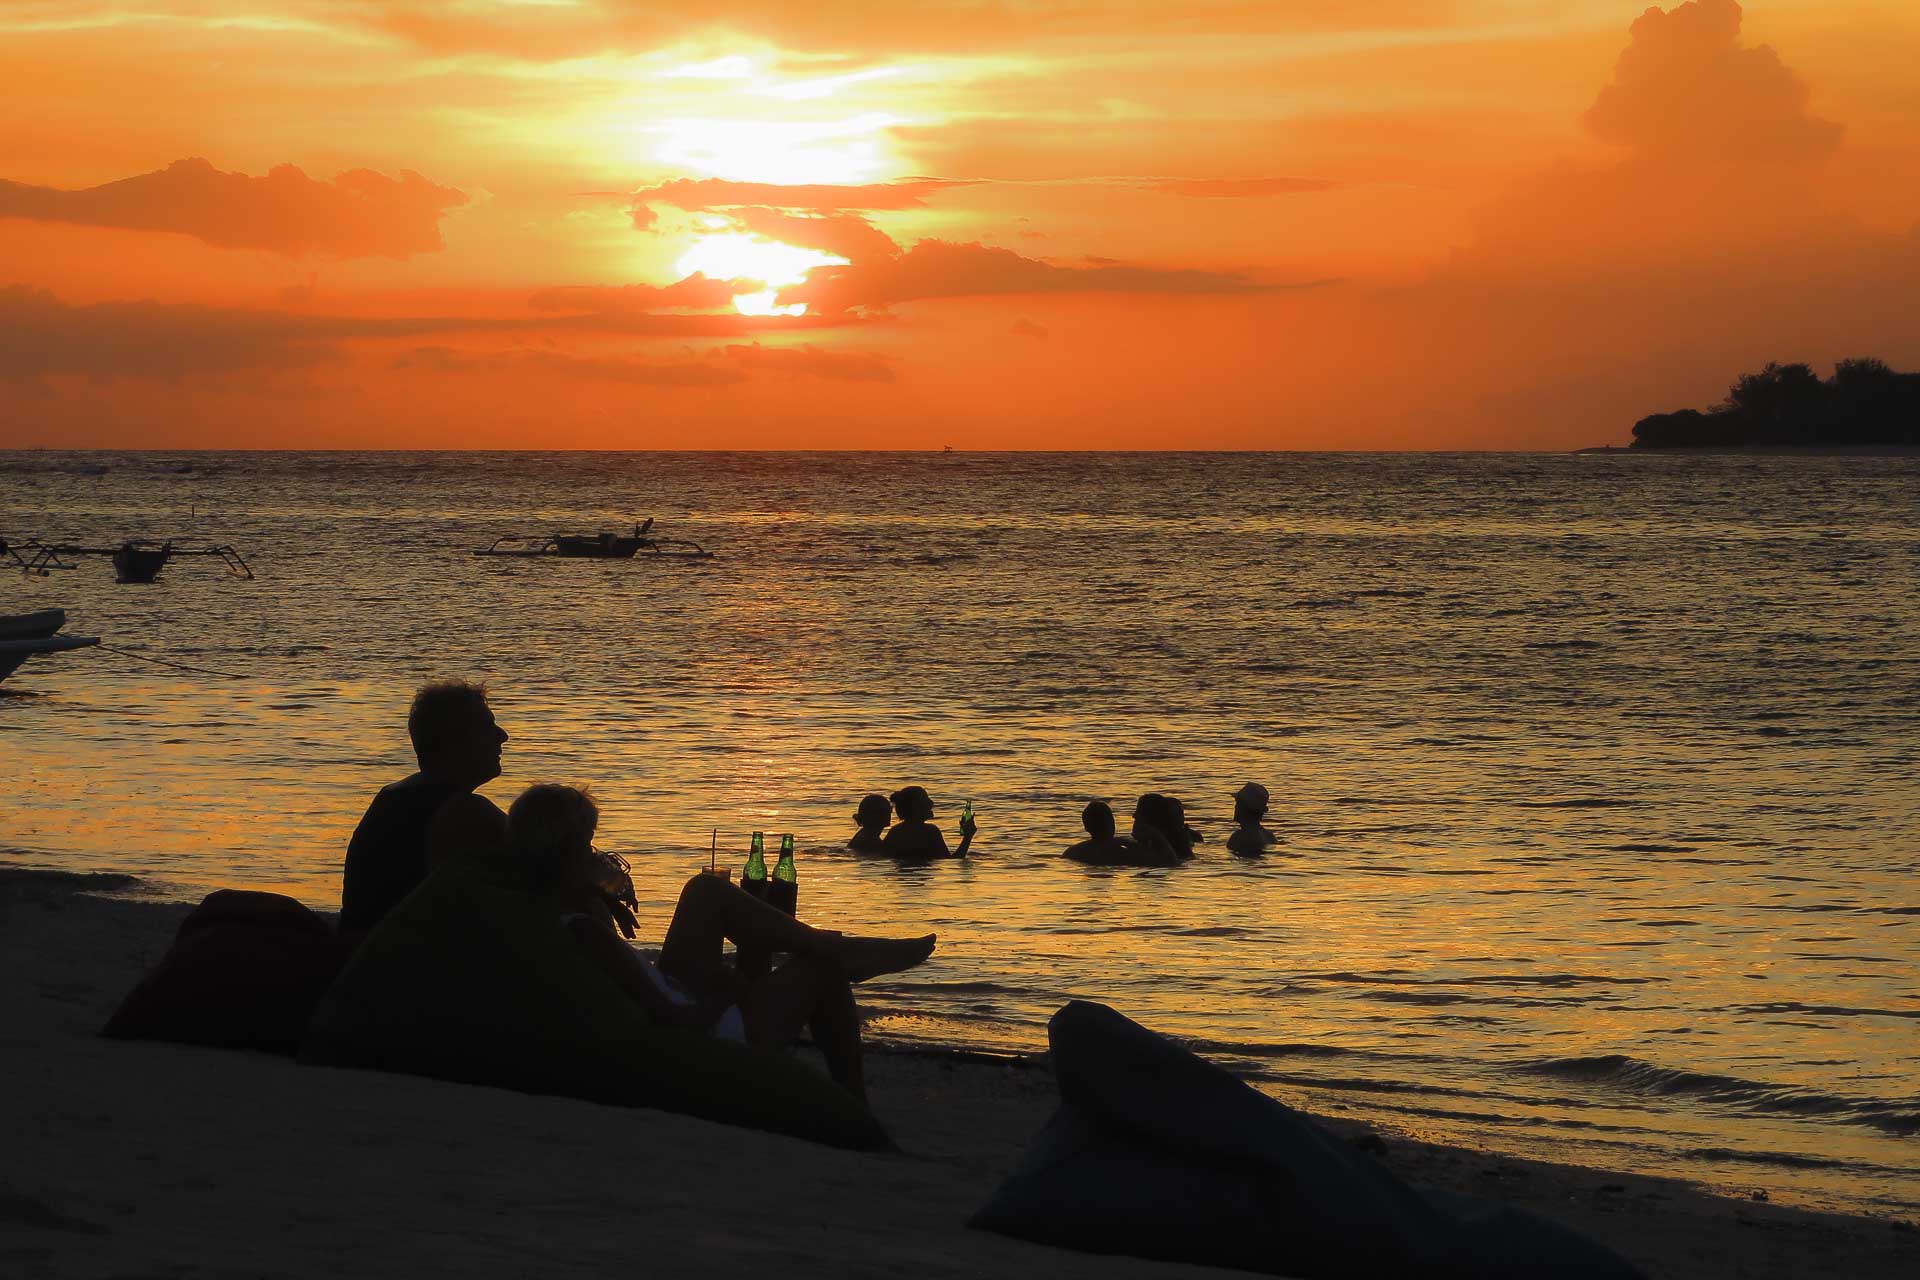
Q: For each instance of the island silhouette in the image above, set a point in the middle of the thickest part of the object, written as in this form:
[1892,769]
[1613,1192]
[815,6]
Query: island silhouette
[1865,402]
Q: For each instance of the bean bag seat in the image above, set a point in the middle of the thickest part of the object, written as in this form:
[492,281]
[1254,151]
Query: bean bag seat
[1157,1153]
[474,978]
[244,972]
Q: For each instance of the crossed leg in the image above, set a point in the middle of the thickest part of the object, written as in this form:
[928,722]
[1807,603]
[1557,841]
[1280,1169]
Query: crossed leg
[813,989]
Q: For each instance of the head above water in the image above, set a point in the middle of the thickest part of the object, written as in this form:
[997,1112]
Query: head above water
[912,804]
[874,811]
[1250,803]
[1165,815]
[454,733]
[550,831]
[1097,818]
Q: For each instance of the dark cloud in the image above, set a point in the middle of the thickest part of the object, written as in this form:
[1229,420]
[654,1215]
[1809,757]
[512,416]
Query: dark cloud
[46,337]
[698,194]
[692,372]
[360,214]
[847,235]
[1686,90]
[717,368]
[695,293]
[1241,188]
[941,269]
[807,361]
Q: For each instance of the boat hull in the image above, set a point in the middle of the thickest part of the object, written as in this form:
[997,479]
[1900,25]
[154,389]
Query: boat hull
[604,547]
[32,626]
[15,652]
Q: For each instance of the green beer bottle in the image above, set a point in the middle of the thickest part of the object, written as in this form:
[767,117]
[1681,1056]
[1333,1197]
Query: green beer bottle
[784,889]
[754,961]
[753,877]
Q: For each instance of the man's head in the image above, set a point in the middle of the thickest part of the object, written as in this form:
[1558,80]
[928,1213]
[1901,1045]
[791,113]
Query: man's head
[1097,818]
[1250,803]
[912,804]
[874,811]
[454,734]
[550,830]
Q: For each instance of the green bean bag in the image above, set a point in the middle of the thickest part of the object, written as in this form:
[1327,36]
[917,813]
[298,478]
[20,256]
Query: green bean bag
[474,978]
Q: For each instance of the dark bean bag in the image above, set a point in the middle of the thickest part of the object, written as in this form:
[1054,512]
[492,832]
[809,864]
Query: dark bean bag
[1157,1153]
[244,972]
[474,978]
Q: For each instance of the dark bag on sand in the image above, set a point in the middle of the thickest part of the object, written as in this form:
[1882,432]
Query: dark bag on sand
[475,978]
[244,972]
[1157,1153]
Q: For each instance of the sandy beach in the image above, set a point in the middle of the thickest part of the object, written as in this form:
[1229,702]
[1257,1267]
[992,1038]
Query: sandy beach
[159,1159]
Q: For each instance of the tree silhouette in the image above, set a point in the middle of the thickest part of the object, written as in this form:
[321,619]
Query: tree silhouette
[1865,402]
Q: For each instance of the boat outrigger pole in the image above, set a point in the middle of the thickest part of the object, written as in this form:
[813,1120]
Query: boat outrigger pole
[136,560]
[31,556]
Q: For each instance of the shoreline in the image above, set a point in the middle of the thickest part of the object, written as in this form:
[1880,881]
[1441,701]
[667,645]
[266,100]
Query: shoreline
[1763,450]
[121,1148]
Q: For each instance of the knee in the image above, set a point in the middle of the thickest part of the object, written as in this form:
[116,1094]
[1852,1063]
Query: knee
[701,887]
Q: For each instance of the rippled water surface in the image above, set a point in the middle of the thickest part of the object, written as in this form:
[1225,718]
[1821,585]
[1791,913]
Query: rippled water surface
[1596,774]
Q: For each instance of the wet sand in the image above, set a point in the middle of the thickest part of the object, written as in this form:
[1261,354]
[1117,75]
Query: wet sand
[124,1159]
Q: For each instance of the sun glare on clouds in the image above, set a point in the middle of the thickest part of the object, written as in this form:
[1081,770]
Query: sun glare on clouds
[737,255]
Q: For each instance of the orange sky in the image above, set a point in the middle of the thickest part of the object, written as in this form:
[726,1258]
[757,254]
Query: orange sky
[1035,224]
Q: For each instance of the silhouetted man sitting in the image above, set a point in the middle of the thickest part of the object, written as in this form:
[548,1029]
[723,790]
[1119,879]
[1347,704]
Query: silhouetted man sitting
[1102,848]
[458,746]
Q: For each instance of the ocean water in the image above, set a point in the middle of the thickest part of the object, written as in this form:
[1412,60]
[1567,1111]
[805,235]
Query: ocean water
[1597,776]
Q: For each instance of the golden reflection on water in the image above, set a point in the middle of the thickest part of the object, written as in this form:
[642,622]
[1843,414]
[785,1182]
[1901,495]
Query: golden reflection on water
[1542,798]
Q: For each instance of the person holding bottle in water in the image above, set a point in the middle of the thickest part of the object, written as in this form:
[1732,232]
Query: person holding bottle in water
[915,836]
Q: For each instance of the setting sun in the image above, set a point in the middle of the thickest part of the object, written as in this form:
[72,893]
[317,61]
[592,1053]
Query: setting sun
[733,255]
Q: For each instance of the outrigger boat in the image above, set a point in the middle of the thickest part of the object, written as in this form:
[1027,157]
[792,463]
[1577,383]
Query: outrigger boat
[595,546]
[136,560]
[23,635]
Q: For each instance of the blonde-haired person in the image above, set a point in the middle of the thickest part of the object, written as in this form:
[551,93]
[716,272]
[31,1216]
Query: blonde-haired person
[550,831]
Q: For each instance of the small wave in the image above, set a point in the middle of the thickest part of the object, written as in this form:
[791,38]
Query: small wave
[1578,802]
[1649,848]
[46,877]
[1565,644]
[1254,1049]
[1389,593]
[1632,1075]
[1823,1010]
[1392,977]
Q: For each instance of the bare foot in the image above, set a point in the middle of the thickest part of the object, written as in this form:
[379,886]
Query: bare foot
[863,958]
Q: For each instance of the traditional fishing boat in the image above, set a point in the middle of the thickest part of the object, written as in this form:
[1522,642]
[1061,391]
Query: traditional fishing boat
[22,635]
[595,546]
[136,560]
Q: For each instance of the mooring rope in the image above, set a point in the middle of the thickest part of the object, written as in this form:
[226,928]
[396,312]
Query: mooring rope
[162,662]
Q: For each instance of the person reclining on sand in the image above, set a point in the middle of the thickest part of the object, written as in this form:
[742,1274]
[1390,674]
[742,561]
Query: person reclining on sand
[1102,848]
[1249,807]
[872,817]
[1160,830]
[457,743]
[550,832]
[915,836]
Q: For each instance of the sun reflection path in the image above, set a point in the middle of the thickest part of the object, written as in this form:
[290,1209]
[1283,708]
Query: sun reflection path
[739,255]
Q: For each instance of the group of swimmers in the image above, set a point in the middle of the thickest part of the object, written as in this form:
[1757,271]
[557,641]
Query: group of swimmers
[1160,835]
[545,841]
